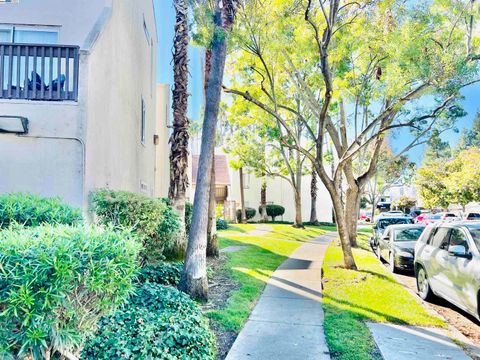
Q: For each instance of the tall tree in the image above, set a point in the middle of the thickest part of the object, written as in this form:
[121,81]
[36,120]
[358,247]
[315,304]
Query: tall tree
[194,275]
[180,136]
[360,86]
[313,198]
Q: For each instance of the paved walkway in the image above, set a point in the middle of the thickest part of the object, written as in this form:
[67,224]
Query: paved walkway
[287,322]
[398,342]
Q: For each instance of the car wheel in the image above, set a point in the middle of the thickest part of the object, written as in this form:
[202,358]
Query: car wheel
[391,263]
[423,286]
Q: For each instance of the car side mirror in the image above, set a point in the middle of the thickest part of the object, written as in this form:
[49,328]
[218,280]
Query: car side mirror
[459,251]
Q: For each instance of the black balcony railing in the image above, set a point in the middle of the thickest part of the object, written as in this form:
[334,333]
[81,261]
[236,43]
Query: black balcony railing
[39,72]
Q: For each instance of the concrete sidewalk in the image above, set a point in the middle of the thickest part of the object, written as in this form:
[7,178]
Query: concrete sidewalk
[398,342]
[287,322]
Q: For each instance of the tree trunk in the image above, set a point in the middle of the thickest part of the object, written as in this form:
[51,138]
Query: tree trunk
[243,212]
[212,241]
[298,209]
[298,192]
[352,203]
[313,197]
[341,220]
[263,201]
[194,275]
[180,136]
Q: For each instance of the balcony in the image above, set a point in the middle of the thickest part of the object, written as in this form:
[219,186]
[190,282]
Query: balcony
[39,72]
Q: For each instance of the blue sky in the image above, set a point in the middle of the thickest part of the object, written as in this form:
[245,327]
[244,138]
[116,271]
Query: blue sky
[165,14]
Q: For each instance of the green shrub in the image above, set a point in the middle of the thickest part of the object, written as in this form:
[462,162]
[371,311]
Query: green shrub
[165,273]
[153,220]
[159,322]
[249,212]
[188,216]
[56,282]
[275,210]
[222,224]
[320,223]
[32,210]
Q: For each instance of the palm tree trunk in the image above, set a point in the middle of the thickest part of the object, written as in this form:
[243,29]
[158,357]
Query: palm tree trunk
[180,137]
[194,275]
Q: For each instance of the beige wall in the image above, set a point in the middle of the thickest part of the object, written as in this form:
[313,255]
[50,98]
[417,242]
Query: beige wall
[162,165]
[73,148]
[121,71]
[280,192]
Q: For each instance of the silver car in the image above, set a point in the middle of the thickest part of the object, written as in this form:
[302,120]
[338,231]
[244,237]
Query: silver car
[447,264]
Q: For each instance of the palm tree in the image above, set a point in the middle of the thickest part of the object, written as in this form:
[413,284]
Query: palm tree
[180,137]
[194,274]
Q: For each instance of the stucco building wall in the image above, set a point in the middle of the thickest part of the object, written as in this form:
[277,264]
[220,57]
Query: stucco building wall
[75,147]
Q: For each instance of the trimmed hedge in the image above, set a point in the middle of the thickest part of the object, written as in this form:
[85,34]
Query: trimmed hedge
[159,322]
[32,210]
[152,220]
[164,274]
[274,211]
[56,282]
[222,224]
[249,212]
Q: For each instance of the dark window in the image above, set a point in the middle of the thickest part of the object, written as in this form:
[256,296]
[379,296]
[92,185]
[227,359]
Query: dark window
[457,237]
[440,239]
[411,234]
[472,216]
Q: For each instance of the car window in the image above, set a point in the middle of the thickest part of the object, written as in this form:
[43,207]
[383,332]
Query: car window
[457,237]
[450,215]
[473,216]
[475,232]
[411,234]
[440,239]
[434,217]
[384,223]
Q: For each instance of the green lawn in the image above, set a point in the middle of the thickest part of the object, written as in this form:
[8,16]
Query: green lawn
[252,266]
[369,294]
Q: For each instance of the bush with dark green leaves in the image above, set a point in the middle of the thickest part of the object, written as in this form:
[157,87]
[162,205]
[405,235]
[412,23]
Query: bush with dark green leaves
[159,322]
[249,212]
[32,210]
[275,210]
[164,273]
[188,216]
[222,224]
[56,282]
[152,220]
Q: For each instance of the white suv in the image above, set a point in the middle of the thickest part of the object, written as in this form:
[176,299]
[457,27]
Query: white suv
[447,264]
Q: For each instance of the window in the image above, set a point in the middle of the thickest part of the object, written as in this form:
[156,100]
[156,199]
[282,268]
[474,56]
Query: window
[440,239]
[142,124]
[28,34]
[457,237]
[411,234]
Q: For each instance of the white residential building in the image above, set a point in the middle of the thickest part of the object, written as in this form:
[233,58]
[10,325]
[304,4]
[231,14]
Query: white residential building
[78,98]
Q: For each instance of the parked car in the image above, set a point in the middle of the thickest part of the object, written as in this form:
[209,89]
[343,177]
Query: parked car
[447,264]
[396,245]
[472,216]
[395,213]
[420,217]
[367,217]
[382,223]
[430,219]
[449,216]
